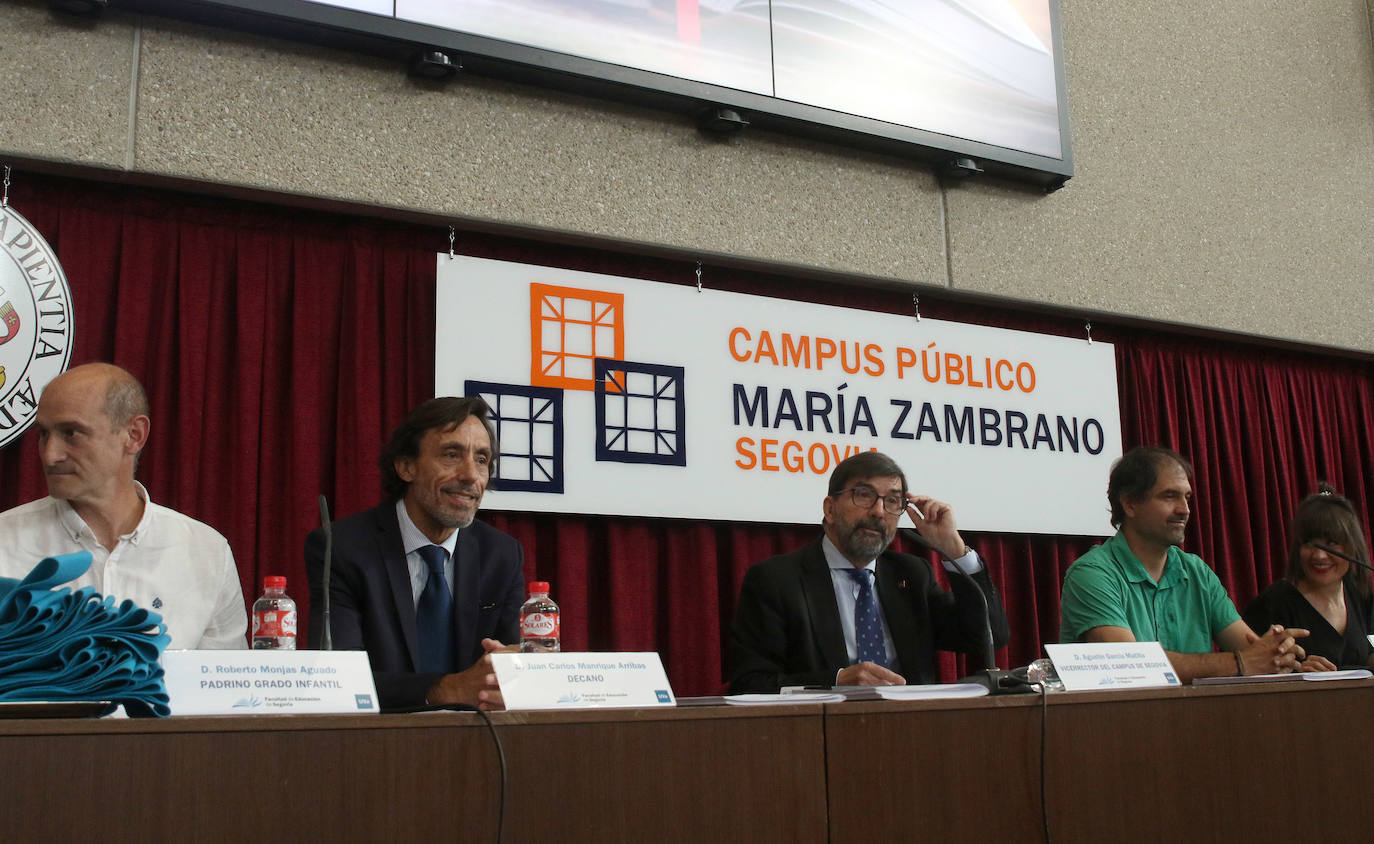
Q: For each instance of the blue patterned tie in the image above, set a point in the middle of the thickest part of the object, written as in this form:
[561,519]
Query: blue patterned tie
[434,616]
[868,628]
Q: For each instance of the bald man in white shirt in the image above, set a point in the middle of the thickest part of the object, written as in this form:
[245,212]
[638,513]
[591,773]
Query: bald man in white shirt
[92,423]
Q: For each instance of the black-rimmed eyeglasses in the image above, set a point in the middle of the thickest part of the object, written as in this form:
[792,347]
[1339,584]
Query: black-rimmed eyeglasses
[864,496]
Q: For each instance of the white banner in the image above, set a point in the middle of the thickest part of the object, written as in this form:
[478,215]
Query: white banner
[619,396]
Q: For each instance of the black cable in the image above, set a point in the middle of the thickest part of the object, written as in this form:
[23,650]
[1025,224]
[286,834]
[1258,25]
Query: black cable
[500,755]
[495,738]
[1044,739]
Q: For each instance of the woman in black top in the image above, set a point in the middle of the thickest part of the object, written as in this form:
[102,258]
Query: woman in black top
[1320,591]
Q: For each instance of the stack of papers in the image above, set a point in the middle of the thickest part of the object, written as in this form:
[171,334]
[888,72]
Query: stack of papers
[943,690]
[928,692]
[786,699]
[792,695]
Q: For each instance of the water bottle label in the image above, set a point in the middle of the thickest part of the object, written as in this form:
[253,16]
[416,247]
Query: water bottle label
[274,623]
[538,625]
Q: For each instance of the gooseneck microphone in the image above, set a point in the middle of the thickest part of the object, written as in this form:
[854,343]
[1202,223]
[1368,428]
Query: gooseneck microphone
[1333,552]
[989,651]
[998,681]
[326,635]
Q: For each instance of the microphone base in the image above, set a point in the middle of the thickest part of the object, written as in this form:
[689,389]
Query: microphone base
[1001,682]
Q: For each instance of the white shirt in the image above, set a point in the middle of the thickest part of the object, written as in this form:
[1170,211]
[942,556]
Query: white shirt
[170,564]
[413,539]
[847,595]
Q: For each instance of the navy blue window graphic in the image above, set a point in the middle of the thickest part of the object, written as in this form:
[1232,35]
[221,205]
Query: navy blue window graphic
[529,427]
[641,415]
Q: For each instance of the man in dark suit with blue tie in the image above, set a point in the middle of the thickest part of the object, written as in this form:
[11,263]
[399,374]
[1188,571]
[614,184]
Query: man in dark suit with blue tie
[427,591]
[845,610]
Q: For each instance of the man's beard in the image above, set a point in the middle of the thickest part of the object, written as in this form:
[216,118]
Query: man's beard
[863,545]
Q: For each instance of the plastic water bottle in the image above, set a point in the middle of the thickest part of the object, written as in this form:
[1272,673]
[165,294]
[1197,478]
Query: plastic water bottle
[274,617]
[539,620]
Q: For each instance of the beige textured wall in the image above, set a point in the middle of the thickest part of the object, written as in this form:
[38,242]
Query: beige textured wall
[1225,160]
[1224,173]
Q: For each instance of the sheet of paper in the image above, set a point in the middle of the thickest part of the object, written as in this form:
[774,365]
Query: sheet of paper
[788,699]
[931,692]
[1347,674]
[1249,678]
[1317,676]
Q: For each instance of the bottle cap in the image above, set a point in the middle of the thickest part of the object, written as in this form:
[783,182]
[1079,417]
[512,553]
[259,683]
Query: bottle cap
[539,586]
[274,581]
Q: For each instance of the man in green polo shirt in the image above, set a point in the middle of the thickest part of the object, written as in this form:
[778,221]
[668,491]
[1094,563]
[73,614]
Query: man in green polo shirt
[1139,586]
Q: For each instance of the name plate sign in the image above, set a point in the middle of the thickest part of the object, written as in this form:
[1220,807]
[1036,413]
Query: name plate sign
[1112,665]
[582,680]
[269,682]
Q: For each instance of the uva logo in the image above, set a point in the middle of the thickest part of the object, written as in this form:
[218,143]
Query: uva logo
[35,321]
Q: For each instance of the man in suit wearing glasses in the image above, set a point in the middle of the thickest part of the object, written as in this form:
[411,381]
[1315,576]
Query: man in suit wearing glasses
[846,610]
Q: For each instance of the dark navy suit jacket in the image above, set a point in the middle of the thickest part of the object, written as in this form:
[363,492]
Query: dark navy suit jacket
[374,609]
[787,630]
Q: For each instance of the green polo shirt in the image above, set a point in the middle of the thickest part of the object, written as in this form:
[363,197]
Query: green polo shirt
[1108,586]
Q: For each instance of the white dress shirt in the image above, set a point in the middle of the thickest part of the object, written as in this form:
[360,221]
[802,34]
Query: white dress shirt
[170,564]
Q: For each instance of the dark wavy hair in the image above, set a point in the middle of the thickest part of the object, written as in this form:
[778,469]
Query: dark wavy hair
[1136,473]
[865,464]
[443,413]
[1328,516]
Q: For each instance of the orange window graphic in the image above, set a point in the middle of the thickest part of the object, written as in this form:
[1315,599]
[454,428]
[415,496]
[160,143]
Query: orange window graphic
[569,329]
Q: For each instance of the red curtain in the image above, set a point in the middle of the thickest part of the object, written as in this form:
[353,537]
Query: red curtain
[279,347]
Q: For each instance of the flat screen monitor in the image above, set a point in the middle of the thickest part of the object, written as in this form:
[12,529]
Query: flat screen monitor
[977,78]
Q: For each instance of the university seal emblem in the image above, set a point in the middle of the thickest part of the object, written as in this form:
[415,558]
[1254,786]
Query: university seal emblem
[35,321]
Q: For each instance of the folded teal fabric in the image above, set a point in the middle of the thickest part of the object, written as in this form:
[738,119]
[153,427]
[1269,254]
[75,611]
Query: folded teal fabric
[57,644]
